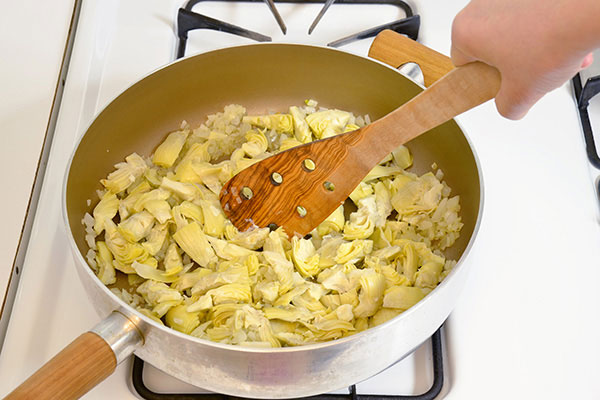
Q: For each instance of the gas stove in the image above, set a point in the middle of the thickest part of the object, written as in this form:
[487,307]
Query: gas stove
[531,296]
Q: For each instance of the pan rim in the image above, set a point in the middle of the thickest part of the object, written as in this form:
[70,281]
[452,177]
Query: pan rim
[237,348]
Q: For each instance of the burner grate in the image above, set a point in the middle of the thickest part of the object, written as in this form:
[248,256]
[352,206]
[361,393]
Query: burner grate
[188,20]
[583,95]
[436,387]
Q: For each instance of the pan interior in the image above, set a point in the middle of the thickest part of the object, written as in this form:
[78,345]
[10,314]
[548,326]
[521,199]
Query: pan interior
[263,78]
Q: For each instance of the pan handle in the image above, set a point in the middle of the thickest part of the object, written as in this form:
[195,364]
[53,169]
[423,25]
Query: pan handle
[84,363]
[396,50]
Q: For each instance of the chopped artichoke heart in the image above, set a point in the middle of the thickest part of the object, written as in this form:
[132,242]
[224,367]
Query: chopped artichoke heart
[403,297]
[106,209]
[168,151]
[137,226]
[160,229]
[149,272]
[327,123]
[104,259]
[125,174]
[301,128]
[194,242]
[181,320]
[282,123]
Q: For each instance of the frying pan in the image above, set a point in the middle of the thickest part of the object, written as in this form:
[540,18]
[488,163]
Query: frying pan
[261,77]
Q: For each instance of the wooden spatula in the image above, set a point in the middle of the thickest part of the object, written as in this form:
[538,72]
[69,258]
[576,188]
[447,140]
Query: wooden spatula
[300,187]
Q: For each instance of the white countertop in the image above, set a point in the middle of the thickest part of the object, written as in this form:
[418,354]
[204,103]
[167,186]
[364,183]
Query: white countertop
[33,37]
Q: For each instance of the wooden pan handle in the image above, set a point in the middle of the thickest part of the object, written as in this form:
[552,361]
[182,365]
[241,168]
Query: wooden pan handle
[80,366]
[396,50]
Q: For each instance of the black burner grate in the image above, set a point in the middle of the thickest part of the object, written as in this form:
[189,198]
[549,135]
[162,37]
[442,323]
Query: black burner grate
[188,20]
[436,387]
[583,95]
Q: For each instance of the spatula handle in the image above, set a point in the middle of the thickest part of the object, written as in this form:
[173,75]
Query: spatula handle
[460,90]
[396,50]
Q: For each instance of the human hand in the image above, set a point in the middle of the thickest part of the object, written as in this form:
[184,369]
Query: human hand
[537,45]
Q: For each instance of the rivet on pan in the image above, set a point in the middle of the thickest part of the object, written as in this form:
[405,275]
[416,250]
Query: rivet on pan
[301,211]
[276,178]
[329,186]
[308,165]
[272,226]
[246,193]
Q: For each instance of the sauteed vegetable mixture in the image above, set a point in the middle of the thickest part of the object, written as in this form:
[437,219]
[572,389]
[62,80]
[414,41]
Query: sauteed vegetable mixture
[159,231]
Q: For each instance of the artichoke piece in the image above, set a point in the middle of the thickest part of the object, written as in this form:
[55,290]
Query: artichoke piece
[266,335]
[168,151]
[149,272]
[402,157]
[301,129]
[327,123]
[328,250]
[157,292]
[290,314]
[126,173]
[137,226]
[256,143]
[126,205]
[162,308]
[156,239]
[282,123]
[203,303]
[370,297]
[124,251]
[403,297]
[333,223]
[380,171]
[354,251]
[428,276]
[214,218]
[252,239]
[228,251]
[156,194]
[191,211]
[184,172]
[104,260]
[173,262]
[160,209]
[181,320]
[106,209]
[383,315]
[383,205]
[351,127]
[231,293]
[193,241]
[189,279]
[267,291]
[362,190]
[344,312]
[360,225]
[338,282]
[305,257]
[185,191]
[236,273]
[326,324]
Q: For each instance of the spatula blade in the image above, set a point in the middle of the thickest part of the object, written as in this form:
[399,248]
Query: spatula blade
[312,185]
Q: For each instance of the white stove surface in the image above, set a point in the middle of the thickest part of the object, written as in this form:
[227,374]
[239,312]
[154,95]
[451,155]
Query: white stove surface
[528,322]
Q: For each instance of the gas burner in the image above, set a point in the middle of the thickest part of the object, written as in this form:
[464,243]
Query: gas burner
[188,20]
